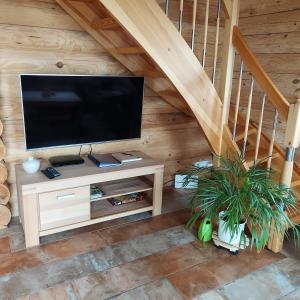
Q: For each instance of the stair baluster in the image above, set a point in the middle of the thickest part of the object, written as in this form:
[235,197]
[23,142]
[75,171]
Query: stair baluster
[180,16]
[194,24]
[248,117]
[205,33]
[216,43]
[167,7]
[259,127]
[271,146]
[238,97]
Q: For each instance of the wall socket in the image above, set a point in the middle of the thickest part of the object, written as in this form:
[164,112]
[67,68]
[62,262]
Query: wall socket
[203,164]
[179,180]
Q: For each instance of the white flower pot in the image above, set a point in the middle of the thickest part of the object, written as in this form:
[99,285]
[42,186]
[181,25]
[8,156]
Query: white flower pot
[225,235]
[31,165]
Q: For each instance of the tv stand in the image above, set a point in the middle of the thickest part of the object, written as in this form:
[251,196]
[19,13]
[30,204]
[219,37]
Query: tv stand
[65,160]
[63,203]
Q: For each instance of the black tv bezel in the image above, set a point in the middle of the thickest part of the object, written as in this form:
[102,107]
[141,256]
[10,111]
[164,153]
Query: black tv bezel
[81,144]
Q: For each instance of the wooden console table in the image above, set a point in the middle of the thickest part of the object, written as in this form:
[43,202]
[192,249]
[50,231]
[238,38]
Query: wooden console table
[63,203]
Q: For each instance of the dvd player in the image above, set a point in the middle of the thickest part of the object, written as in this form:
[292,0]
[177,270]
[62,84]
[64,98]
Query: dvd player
[66,160]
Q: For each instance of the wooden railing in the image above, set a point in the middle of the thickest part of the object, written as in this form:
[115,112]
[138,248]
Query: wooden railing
[234,44]
[259,74]
[203,55]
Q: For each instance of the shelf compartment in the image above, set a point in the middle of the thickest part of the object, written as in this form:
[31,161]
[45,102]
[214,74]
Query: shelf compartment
[101,209]
[124,187]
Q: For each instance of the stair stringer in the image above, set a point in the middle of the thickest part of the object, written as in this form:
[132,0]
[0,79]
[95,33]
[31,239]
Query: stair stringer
[156,34]
[106,31]
[153,32]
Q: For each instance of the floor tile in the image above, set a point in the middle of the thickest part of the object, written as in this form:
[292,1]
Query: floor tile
[86,242]
[14,227]
[122,233]
[295,295]
[59,292]
[35,279]
[82,243]
[25,259]
[158,290]
[140,247]
[223,269]
[4,245]
[119,279]
[31,280]
[36,256]
[211,295]
[175,199]
[267,283]
[291,268]
[17,241]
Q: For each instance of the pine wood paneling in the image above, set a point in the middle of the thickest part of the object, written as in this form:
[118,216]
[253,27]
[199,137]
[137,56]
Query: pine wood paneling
[272,30]
[37,34]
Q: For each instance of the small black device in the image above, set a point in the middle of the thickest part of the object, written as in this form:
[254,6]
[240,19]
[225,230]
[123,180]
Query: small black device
[50,173]
[66,160]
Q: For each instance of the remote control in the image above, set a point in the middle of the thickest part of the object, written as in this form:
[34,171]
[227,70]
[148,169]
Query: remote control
[51,172]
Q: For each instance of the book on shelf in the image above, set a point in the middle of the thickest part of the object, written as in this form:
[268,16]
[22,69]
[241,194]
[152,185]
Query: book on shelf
[96,192]
[103,160]
[121,200]
[125,157]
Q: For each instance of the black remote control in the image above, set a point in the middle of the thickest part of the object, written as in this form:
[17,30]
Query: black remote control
[51,172]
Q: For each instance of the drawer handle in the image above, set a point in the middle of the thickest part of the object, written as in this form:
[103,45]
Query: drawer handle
[65,196]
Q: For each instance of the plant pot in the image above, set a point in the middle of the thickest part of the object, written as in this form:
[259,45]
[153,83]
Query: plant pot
[226,235]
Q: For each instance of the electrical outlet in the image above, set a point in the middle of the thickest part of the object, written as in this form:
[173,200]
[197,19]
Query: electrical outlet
[203,164]
[179,180]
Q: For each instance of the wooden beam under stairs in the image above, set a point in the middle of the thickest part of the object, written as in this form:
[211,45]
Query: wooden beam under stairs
[147,43]
[109,33]
[127,50]
[104,24]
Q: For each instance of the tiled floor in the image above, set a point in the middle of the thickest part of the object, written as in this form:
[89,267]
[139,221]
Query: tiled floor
[141,258]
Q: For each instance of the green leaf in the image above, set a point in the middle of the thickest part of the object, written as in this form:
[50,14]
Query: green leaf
[249,195]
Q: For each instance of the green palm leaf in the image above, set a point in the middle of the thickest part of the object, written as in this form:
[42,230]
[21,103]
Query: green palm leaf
[249,195]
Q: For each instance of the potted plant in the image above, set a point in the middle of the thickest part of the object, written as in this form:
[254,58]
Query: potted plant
[235,196]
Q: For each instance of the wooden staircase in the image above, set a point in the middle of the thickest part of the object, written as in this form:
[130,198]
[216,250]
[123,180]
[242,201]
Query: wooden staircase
[139,34]
[146,42]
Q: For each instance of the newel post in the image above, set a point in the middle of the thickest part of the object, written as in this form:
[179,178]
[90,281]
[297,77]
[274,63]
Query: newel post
[292,139]
[231,8]
[291,142]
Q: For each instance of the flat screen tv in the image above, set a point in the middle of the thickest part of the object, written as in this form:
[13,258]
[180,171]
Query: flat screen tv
[65,110]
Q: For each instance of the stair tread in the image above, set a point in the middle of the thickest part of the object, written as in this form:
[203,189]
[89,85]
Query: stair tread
[263,154]
[240,132]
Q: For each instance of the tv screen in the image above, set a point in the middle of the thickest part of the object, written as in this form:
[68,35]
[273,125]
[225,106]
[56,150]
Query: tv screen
[62,110]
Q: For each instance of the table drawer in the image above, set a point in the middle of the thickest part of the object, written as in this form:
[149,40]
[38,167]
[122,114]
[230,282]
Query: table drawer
[64,207]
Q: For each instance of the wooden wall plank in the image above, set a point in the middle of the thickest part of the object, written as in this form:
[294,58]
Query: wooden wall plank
[37,34]
[272,30]
[258,7]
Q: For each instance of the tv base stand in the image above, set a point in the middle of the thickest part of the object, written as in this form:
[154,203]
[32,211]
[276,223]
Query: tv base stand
[64,203]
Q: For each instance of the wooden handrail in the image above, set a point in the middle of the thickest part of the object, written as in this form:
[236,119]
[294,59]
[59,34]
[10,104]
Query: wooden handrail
[261,77]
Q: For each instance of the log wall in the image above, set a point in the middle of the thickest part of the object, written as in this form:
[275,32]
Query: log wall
[272,30]
[35,35]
